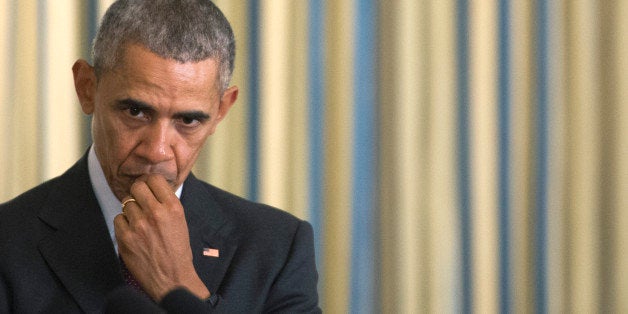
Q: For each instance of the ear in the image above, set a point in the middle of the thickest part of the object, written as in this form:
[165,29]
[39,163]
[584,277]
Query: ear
[228,99]
[85,85]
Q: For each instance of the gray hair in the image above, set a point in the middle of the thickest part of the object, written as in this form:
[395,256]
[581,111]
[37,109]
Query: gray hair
[183,30]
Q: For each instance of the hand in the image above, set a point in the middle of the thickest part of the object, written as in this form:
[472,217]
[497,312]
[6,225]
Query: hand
[153,240]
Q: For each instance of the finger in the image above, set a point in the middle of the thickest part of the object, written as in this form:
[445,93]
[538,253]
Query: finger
[144,196]
[131,209]
[126,201]
[124,235]
[120,227]
[160,188]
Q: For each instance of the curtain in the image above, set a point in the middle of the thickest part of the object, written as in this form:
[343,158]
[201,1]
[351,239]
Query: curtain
[451,155]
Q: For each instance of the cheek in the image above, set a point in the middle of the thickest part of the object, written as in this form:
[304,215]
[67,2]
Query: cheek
[187,152]
[115,144]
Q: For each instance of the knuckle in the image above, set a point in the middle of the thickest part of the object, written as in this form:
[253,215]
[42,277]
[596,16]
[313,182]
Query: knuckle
[176,209]
[125,236]
[140,225]
[157,215]
[135,187]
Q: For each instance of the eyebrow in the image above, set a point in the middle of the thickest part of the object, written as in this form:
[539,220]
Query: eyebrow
[191,114]
[130,102]
[194,114]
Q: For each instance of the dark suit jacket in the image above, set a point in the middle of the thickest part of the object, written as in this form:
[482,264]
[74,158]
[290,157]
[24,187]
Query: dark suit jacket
[56,254]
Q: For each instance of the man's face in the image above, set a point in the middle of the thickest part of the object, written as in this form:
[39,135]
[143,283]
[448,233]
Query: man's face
[151,115]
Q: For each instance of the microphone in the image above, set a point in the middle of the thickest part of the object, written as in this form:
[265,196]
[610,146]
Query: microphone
[125,299]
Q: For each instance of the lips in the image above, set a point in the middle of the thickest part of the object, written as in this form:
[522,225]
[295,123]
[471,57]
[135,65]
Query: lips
[144,170]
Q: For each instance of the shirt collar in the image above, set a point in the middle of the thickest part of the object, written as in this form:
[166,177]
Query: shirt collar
[109,203]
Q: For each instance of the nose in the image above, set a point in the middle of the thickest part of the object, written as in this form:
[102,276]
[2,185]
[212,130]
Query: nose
[157,143]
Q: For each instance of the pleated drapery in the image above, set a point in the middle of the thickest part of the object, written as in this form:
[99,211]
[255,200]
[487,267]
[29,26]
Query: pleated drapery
[452,155]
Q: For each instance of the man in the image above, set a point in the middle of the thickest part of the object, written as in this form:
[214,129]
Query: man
[158,88]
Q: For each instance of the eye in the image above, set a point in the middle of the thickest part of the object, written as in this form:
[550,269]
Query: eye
[137,112]
[134,110]
[189,120]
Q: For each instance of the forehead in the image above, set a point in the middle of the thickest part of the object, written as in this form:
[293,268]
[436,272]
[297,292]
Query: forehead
[144,73]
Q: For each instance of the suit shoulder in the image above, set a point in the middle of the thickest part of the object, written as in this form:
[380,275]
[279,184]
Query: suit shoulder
[247,208]
[27,201]
[253,216]
[19,219]
[32,200]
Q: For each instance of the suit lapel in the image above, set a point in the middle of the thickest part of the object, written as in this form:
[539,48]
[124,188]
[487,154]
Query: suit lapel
[209,230]
[81,254]
[78,248]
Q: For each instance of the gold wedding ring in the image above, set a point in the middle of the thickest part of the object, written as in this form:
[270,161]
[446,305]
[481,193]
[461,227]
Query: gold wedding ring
[126,202]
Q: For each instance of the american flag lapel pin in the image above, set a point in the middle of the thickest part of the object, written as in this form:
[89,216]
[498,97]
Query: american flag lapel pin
[211,252]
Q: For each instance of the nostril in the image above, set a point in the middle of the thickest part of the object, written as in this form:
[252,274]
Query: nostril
[154,153]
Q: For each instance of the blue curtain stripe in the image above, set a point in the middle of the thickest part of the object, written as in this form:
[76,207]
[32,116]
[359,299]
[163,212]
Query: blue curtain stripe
[464,188]
[254,102]
[364,221]
[542,157]
[504,89]
[316,116]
